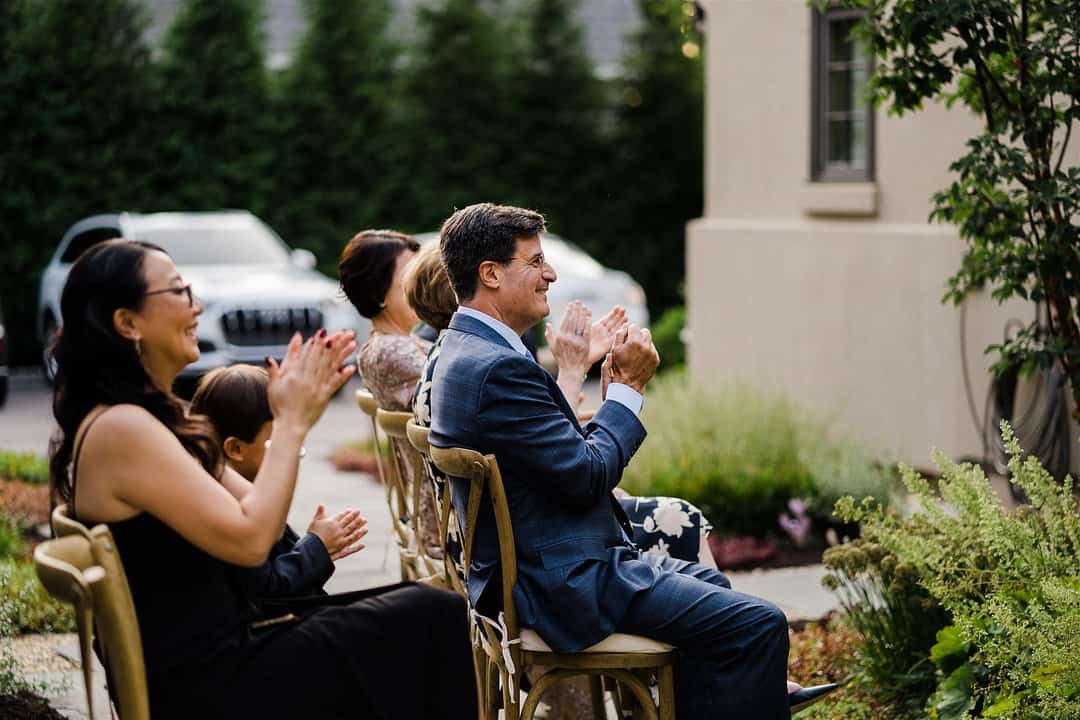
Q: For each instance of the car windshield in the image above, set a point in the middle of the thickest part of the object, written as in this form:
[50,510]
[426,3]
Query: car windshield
[226,241]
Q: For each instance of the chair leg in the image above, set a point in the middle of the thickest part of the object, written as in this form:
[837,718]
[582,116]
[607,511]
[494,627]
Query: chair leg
[511,698]
[666,682]
[596,691]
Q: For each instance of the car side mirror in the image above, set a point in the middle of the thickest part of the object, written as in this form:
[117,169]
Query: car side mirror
[303,259]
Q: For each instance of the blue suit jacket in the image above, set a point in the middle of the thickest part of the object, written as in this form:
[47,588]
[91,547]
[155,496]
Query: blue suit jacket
[297,566]
[572,587]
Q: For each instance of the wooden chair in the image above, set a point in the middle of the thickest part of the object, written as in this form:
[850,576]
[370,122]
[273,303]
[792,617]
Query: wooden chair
[397,501]
[454,572]
[64,525]
[82,567]
[393,423]
[630,661]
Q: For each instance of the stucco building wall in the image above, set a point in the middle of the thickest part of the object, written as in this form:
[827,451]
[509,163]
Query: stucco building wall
[831,291]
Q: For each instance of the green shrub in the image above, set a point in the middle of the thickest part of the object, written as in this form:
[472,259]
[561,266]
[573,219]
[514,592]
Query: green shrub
[667,336]
[28,467]
[1009,581]
[740,454]
[842,467]
[27,605]
[896,619]
[730,450]
[11,540]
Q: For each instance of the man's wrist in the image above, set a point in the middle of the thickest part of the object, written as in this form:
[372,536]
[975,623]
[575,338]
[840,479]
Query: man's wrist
[625,395]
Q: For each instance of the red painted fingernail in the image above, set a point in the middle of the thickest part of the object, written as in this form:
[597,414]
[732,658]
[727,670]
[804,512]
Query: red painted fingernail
[267,360]
[322,332]
[327,343]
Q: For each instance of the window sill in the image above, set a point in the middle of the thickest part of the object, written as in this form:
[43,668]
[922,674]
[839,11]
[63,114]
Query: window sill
[839,199]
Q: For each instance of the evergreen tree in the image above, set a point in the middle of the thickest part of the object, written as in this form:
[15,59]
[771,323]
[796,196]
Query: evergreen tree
[336,171]
[215,149]
[659,152]
[558,158]
[74,94]
[459,114]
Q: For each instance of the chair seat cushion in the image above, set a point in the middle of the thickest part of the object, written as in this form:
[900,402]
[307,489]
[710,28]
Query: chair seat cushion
[613,643]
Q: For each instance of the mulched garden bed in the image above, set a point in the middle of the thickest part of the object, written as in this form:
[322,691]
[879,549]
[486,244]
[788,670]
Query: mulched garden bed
[25,705]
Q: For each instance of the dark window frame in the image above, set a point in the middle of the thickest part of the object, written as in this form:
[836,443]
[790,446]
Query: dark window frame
[820,170]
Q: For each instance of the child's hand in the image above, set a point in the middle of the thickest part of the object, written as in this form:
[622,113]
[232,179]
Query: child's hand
[340,533]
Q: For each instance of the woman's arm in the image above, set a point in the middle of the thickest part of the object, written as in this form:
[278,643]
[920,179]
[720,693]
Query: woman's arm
[132,463]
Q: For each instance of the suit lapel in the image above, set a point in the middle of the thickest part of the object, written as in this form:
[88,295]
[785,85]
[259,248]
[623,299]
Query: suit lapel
[472,326]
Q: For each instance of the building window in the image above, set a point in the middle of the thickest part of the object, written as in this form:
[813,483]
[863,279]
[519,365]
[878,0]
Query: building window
[843,120]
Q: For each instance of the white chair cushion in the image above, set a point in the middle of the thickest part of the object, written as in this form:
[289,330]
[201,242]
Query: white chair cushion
[614,643]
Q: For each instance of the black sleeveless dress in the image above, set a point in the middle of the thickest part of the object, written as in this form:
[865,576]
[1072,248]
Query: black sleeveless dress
[395,653]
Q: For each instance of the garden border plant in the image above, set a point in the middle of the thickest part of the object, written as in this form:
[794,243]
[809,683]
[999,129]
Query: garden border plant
[1009,583]
[741,454]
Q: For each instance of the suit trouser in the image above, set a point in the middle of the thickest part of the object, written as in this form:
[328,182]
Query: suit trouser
[734,647]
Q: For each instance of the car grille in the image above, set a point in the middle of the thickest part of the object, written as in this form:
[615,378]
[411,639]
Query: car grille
[269,326]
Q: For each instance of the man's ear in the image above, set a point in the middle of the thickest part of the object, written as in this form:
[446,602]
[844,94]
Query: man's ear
[234,448]
[489,274]
[125,323]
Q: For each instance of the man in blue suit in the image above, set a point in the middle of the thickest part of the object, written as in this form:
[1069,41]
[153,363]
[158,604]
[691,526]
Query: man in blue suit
[579,576]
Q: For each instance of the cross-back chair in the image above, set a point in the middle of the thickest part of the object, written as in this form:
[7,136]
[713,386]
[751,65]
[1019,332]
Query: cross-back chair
[393,423]
[630,661]
[397,499]
[82,567]
[454,572]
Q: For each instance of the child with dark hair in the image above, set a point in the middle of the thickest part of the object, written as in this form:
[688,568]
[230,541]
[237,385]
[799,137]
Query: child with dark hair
[234,400]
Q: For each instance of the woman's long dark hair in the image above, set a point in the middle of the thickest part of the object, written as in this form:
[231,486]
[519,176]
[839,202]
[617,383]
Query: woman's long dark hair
[95,365]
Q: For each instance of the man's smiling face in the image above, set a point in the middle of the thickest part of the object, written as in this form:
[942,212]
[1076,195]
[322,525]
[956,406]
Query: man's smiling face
[523,291]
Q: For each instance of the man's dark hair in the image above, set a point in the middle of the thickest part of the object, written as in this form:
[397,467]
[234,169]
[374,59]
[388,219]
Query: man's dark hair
[479,233]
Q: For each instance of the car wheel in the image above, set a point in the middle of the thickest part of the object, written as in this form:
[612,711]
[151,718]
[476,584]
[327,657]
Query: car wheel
[48,365]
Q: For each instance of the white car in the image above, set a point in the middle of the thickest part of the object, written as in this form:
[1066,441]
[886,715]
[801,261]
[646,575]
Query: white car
[583,278]
[256,291]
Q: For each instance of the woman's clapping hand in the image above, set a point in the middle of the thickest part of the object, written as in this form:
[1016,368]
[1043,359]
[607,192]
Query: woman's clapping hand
[309,375]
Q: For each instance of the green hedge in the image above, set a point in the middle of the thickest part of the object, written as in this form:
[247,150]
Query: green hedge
[477,103]
[27,467]
[740,454]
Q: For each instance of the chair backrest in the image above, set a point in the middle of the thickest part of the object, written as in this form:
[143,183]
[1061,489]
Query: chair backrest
[482,472]
[87,572]
[118,628]
[62,565]
[64,525]
[418,437]
[369,406]
[408,479]
[453,565]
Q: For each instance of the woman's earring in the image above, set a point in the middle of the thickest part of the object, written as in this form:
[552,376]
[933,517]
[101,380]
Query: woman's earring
[138,348]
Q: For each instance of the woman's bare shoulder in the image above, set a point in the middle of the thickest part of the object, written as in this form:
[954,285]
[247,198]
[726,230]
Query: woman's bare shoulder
[123,423]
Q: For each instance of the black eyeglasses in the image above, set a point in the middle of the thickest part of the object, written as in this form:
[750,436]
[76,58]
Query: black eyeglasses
[176,291]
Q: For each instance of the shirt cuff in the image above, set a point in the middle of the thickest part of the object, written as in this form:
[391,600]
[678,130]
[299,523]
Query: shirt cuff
[626,396]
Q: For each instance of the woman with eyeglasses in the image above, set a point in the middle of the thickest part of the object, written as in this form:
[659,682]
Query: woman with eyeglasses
[127,455]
